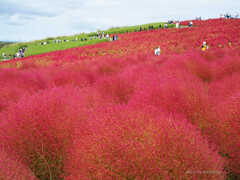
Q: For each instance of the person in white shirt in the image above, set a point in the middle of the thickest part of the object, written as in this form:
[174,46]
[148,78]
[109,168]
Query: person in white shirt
[177,24]
[204,46]
[190,24]
[157,51]
[107,36]
[3,55]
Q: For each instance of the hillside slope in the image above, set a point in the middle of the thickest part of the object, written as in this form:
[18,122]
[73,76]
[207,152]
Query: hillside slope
[66,42]
[114,110]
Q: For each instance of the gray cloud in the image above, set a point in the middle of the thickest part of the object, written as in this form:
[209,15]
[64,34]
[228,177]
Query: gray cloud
[29,19]
[10,8]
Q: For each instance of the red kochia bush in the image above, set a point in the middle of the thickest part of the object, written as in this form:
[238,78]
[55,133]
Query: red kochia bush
[12,169]
[220,90]
[30,80]
[115,88]
[174,92]
[226,131]
[226,66]
[39,128]
[199,66]
[79,75]
[14,84]
[129,144]
[9,94]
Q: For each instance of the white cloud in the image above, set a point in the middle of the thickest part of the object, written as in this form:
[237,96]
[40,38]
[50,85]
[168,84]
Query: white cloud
[29,19]
[102,3]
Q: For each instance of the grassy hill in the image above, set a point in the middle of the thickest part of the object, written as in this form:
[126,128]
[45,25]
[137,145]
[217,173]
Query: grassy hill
[3,43]
[35,47]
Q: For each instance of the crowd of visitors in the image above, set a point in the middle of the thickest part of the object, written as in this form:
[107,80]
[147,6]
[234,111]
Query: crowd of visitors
[19,54]
[111,37]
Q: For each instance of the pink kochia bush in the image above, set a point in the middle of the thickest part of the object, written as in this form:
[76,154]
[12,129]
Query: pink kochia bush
[225,125]
[226,131]
[39,129]
[11,168]
[174,92]
[129,144]
[220,90]
[115,88]
[15,83]
[73,74]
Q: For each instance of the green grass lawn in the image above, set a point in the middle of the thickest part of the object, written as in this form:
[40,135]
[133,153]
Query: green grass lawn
[34,48]
[39,49]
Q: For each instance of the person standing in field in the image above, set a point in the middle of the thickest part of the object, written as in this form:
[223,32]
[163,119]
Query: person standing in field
[190,24]
[115,37]
[204,46]
[157,51]
[177,24]
[229,43]
[3,55]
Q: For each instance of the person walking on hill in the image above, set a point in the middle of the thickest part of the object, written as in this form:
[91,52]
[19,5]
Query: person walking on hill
[115,37]
[229,43]
[157,51]
[190,24]
[204,46]
[177,24]
[3,55]
[111,37]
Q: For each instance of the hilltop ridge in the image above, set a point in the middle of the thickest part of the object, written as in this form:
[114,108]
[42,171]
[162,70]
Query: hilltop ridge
[34,47]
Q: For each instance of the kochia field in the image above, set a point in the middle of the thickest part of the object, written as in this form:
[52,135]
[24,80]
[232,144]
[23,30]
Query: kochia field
[115,111]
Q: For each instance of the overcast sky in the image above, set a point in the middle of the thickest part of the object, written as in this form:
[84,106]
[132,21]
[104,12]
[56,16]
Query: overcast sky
[25,20]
